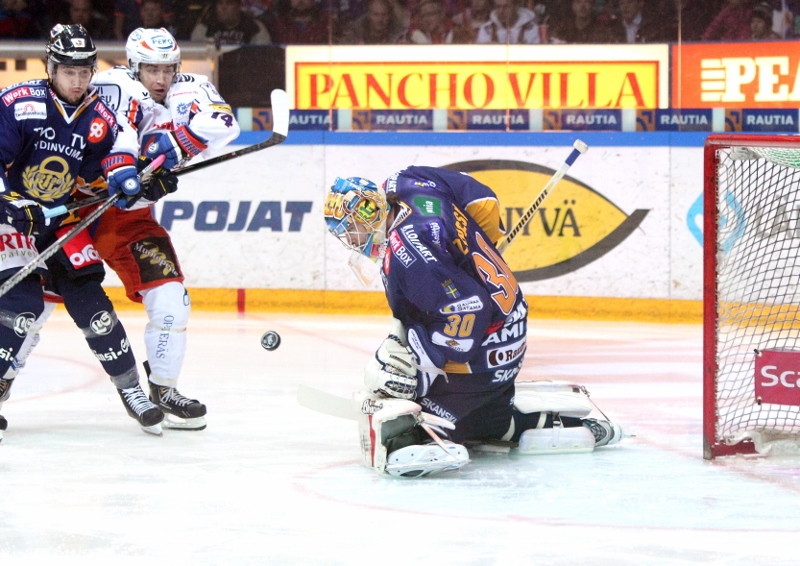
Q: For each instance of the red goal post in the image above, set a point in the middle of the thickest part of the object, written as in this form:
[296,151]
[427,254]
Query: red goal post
[751,294]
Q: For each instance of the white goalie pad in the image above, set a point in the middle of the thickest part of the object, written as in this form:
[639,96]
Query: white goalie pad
[556,440]
[562,397]
[394,417]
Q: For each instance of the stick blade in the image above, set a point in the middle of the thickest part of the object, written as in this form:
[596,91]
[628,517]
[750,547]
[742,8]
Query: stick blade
[326,403]
[280,112]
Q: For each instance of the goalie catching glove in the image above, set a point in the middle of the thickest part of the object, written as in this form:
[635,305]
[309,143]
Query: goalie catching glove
[175,146]
[392,370]
[23,214]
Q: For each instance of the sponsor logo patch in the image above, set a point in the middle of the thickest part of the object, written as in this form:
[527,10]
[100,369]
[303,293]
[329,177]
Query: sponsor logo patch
[30,111]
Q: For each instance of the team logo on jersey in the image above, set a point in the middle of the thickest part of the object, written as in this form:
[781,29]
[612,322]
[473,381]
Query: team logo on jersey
[435,233]
[506,354]
[23,322]
[428,206]
[101,323]
[30,111]
[413,239]
[399,250]
[156,259]
[48,181]
[450,289]
[19,92]
[470,304]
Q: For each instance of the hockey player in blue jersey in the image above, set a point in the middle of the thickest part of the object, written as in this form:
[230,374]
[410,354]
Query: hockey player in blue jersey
[459,335]
[55,134]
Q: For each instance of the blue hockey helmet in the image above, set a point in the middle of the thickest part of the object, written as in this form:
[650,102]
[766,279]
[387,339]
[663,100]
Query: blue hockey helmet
[355,212]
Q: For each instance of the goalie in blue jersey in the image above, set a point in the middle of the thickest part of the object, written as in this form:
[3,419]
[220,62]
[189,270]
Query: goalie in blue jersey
[445,376]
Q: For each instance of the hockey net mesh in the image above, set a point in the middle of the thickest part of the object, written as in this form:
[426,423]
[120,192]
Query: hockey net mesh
[758,299]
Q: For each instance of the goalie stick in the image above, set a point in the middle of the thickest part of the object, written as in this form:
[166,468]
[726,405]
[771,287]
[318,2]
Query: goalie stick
[579,148]
[280,131]
[31,266]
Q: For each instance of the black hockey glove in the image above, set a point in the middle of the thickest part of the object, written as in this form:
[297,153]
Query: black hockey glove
[24,214]
[159,184]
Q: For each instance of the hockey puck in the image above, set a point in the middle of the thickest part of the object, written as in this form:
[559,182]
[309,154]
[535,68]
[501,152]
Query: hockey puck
[270,340]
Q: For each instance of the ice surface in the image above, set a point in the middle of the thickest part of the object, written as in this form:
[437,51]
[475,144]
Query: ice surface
[270,482]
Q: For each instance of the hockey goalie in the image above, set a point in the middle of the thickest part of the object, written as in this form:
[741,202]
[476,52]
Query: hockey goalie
[444,378]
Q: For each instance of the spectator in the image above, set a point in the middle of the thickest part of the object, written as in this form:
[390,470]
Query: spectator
[379,25]
[429,25]
[470,21]
[642,26]
[761,23]
[508,23]
[302,22]
[127,16]
[16,22]
[690,18]
[732,23]
[186,14]
[83,12]
[151,13]
[585,27]
[227,24]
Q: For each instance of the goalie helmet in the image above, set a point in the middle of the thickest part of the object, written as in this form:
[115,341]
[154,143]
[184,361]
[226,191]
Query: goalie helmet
[70,45]
[152,46]
[355,212]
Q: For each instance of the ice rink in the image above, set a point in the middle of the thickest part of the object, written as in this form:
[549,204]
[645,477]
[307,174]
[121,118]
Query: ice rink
[270,482]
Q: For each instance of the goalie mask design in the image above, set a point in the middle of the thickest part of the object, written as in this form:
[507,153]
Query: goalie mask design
[152,46]
[355,212]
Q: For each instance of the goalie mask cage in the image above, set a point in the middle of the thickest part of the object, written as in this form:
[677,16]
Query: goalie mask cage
[751,294]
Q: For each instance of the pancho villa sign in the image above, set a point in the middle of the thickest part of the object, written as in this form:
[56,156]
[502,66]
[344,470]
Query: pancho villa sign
[477,77]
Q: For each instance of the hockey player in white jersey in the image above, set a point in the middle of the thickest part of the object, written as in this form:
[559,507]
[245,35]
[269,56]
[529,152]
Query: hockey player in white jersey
[161,112]
[179,115]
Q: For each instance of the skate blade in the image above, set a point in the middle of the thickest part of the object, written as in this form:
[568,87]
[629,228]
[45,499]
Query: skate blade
[155,430]
[173,422]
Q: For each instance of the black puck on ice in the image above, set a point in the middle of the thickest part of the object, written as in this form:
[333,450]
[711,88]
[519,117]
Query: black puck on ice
[270,340]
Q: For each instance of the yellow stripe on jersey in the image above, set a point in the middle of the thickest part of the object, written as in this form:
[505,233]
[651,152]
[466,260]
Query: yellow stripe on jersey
[486,212]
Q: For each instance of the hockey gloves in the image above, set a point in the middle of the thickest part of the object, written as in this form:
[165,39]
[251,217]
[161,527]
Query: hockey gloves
[25,215]
[392,371]
[122,176]
[161,183]
[176,146]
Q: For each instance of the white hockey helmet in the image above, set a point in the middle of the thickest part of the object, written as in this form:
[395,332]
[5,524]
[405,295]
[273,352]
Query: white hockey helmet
[355,212]
[153,46]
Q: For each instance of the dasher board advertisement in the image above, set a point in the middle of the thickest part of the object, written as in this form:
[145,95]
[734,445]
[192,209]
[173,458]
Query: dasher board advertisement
[468,77]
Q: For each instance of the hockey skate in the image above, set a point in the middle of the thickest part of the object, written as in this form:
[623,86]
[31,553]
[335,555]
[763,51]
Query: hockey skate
[181,412]
[3,426]
[140,408]
[605,432]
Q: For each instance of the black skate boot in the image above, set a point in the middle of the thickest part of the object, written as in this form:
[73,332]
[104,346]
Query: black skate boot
[182,413]
[3,426]
[140,408]
[190,413]
[605,432]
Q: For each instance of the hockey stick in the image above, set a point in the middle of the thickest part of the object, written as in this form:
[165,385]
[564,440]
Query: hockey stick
[280,131]
[579,148]
[327,403]
[61,242]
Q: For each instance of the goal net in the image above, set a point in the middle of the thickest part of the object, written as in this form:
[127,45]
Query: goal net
[751,295]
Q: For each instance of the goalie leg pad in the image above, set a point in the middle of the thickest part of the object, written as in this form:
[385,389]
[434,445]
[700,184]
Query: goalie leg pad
[566,399]
[392,440]
[556,440]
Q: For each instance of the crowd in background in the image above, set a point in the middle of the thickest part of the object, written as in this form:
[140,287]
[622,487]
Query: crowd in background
[282,22]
